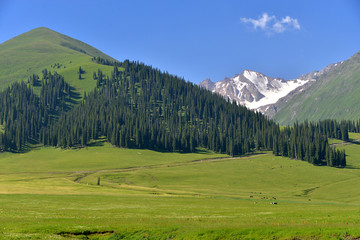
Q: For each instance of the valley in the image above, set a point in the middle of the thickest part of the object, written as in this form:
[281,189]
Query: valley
[147,194]
[95,148]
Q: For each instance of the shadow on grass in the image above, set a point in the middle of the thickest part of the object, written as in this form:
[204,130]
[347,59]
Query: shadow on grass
[74,94]
[30,145]
[351,167]
[73,100]
[354,141]
[97,143]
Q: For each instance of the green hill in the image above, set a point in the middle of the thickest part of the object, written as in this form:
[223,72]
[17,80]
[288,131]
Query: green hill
[336,95]
[133,106]
[41,48]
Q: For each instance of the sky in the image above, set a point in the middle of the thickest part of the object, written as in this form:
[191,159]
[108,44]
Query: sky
[201,39]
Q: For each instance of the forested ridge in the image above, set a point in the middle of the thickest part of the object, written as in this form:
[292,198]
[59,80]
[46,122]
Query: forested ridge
[142,107]
[23,113]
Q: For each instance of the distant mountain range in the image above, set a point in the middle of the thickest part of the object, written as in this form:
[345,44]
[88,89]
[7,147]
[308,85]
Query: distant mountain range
[253,89]
[291,100]
[333,92]
[334,95]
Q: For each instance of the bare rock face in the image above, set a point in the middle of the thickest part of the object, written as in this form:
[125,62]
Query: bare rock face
[317,74]
[208,84]
[262,93]
[271,109]
[253,89]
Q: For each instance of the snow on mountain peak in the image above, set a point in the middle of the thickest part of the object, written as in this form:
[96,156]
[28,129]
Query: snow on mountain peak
[254,89]
[258,79]
[262,93]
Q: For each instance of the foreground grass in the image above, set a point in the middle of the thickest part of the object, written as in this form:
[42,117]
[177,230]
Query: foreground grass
[138,216]
[53,194]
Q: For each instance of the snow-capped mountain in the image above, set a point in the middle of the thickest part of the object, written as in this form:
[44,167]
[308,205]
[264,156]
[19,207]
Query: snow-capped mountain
[259,92]
[253,89]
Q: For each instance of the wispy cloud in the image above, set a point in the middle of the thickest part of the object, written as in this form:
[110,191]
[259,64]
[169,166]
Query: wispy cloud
[271,24]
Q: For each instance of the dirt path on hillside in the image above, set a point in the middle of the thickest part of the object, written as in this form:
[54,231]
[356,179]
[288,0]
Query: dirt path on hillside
[355,141]
[79,175]
[83,174]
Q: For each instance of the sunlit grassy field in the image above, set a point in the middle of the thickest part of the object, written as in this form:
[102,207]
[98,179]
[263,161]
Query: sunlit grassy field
[42,48]
[103,192]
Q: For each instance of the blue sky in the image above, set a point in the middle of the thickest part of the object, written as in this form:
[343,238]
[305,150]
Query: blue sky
[201,39]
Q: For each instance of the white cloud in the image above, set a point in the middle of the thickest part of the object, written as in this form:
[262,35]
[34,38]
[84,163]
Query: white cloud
[270,24]
[261,22]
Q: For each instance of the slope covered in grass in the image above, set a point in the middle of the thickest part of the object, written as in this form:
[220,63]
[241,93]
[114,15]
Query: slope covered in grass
[334,96]
[31,52]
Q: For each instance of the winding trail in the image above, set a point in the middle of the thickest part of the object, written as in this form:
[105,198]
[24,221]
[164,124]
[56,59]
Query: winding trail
[84,174]
[354,141]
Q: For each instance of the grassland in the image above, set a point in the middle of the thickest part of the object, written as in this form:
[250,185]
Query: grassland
[42,48]
[51,193]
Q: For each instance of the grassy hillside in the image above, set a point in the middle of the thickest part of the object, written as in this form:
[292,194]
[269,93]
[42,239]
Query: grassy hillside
[335,96]
[41,48]
[53,194]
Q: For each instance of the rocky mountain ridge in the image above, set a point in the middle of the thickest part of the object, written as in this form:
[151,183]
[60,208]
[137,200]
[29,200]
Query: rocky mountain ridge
[335,95]
[260,92]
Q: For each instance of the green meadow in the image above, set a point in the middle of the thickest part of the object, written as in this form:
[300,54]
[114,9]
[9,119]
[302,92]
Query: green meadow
[42,48]
[103,192]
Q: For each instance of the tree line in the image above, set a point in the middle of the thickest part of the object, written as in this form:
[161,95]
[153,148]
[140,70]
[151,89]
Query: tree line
[309,142]
[24,113]
[142,107]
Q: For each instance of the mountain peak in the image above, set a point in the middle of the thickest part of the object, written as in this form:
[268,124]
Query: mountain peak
[253,89]
[39,48]
[248,71]
[208,84]
[44,32]
[43,39]
[36,34]
[42,29]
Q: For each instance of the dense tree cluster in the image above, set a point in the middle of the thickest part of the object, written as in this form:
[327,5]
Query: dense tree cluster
[338,130]
[55,93]
[24,114]
[308,142]
[145,108]
[103,61]
[142,107]
[17,104]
